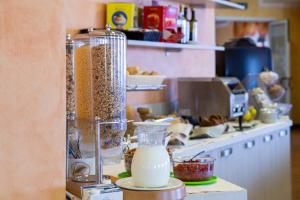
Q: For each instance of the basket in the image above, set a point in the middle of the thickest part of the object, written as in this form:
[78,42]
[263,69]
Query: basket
[145,80]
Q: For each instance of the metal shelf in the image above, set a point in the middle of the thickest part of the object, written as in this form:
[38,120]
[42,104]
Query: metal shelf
[243,19]
[230,4]
[173,46]
[145,87]
[214,3]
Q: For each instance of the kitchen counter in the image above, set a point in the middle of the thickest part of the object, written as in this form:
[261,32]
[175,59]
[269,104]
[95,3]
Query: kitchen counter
[258,160]
[222,190]
[195,146]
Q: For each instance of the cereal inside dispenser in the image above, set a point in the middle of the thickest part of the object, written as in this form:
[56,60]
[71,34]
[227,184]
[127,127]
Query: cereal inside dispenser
[108,65]
[70,77]
[80,127]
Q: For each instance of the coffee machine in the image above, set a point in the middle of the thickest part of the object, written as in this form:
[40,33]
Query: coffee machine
[244,60]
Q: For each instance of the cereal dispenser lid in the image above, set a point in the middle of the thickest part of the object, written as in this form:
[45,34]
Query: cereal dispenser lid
[107,32]
[81,37]
[69,38]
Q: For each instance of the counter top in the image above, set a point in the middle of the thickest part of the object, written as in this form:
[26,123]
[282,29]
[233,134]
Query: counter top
[222,190]
[195,146]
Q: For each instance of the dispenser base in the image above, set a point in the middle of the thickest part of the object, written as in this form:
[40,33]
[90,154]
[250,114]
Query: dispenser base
[74,187]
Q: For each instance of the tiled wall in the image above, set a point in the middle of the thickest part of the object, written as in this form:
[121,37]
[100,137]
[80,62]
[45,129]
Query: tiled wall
[32,100]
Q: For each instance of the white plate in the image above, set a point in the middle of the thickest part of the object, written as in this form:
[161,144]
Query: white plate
[127,183]
[211,131]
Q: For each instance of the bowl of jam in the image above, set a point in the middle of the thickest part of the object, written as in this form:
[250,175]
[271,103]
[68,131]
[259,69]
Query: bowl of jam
[198,169]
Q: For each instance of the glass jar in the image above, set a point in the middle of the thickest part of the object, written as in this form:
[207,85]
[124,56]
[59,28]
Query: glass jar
[151,162]
[108,65]
[269,115]
[83,88]
[80,125]
[197,169]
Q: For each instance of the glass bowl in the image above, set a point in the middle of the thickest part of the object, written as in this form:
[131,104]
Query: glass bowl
[198,169]
[128,156]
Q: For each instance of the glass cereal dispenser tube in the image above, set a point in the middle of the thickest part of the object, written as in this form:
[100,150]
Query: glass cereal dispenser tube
[70,78]
[108,65]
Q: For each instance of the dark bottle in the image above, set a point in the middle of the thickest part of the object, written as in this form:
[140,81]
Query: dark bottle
[187,31]
[193,28]
[182,24]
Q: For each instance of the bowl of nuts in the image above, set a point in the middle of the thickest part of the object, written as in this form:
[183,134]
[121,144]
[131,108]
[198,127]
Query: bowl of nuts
[198,169]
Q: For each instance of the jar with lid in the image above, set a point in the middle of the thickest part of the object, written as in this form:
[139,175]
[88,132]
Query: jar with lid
[108,65]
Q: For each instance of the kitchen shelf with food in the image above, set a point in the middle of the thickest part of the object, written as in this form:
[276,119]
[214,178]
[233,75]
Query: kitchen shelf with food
[166,45]
[139,80]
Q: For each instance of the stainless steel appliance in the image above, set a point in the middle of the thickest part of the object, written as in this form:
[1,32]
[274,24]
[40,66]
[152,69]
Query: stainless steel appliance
[208,96]
[244,60]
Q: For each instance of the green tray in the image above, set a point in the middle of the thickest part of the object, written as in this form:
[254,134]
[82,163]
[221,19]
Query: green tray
[128,174]
[212,180]
[124,174]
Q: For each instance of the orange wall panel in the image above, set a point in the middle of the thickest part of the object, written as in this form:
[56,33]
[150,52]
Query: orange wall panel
[32,100]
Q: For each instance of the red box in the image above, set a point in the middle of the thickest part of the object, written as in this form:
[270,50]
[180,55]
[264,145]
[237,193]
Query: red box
[160,17]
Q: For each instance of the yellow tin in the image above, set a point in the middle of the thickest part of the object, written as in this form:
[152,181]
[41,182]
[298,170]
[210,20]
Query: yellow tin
[120,15]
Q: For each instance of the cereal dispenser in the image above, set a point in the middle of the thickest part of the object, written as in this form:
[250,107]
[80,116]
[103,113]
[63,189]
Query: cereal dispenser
[108,63]
[96,99]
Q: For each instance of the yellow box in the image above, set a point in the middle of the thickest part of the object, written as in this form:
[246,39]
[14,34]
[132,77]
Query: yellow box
[120,15]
